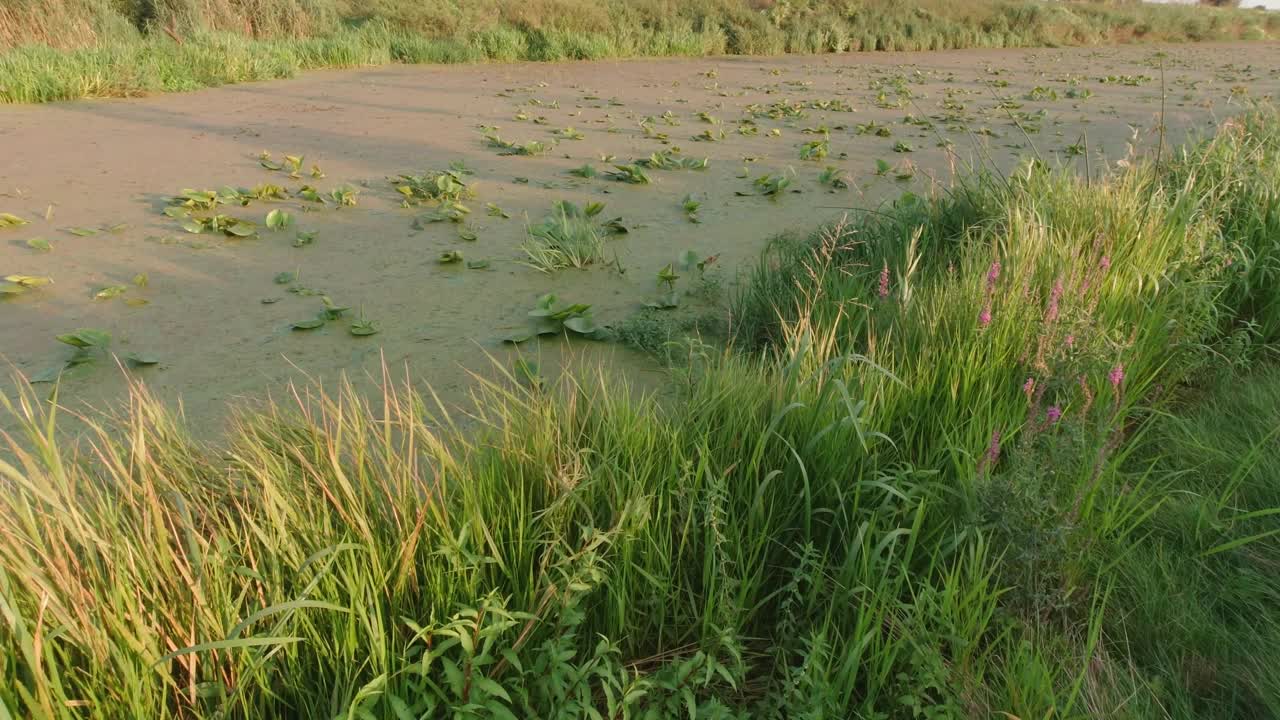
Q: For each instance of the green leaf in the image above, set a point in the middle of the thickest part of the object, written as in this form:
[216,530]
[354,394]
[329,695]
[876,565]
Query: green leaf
[141,280]
[305,237]
[143,359]
[110,291]
[477,264]
[8,220]
[467,234]
[29,281]
[279,219]
[239,228]
[449,256]
[496,211]
[11,289]
[284,278]
[48,375]
[363,328]
[331,311]
[82,232]
[86,338]
[581,324]
[310,194]
[39,243]
[308,324]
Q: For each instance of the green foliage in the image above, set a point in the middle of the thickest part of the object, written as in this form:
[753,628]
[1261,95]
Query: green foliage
[815,150]
[1004,450]
[551,317]
[571,236]
[769,185]
[9,220]
[442,186]
[66,49]
[532,147]
[633,174]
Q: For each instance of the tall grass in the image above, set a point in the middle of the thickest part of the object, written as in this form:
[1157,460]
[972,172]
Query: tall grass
[863,510]
[127,47]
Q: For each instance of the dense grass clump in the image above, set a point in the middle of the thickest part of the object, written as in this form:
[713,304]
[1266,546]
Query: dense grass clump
[127,47]
[1009,451]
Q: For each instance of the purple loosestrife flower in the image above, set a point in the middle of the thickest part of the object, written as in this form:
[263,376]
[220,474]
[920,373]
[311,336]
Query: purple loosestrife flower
[1029,387]
[884,281]
[1052,313]
[1053,414]
[993,274]
[984,318]
[1116,375]
[1105,263]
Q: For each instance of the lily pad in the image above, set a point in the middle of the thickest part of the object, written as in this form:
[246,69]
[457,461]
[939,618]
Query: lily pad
[279,219]
[363,328]
[39,243]
[48,375]
[311,324]
[86,338]
[110,291]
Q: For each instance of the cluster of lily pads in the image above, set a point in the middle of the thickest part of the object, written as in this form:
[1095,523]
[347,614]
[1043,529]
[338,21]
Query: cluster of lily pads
[573,236]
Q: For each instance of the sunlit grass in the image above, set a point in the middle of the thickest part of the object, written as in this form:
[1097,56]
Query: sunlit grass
[998,452]
[131,47]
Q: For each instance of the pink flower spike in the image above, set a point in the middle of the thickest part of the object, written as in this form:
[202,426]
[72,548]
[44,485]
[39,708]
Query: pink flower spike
[984,318]
[1116,375]
[1052,313]
[884,281]
[1105,263]
[1053,414]
[1029,387]
[993,274]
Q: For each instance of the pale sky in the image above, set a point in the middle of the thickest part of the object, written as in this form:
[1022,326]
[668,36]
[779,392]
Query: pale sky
[1270,4]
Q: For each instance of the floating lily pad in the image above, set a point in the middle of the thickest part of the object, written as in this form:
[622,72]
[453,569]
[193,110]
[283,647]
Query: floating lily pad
[86,338]
[110,291]
[311,324]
